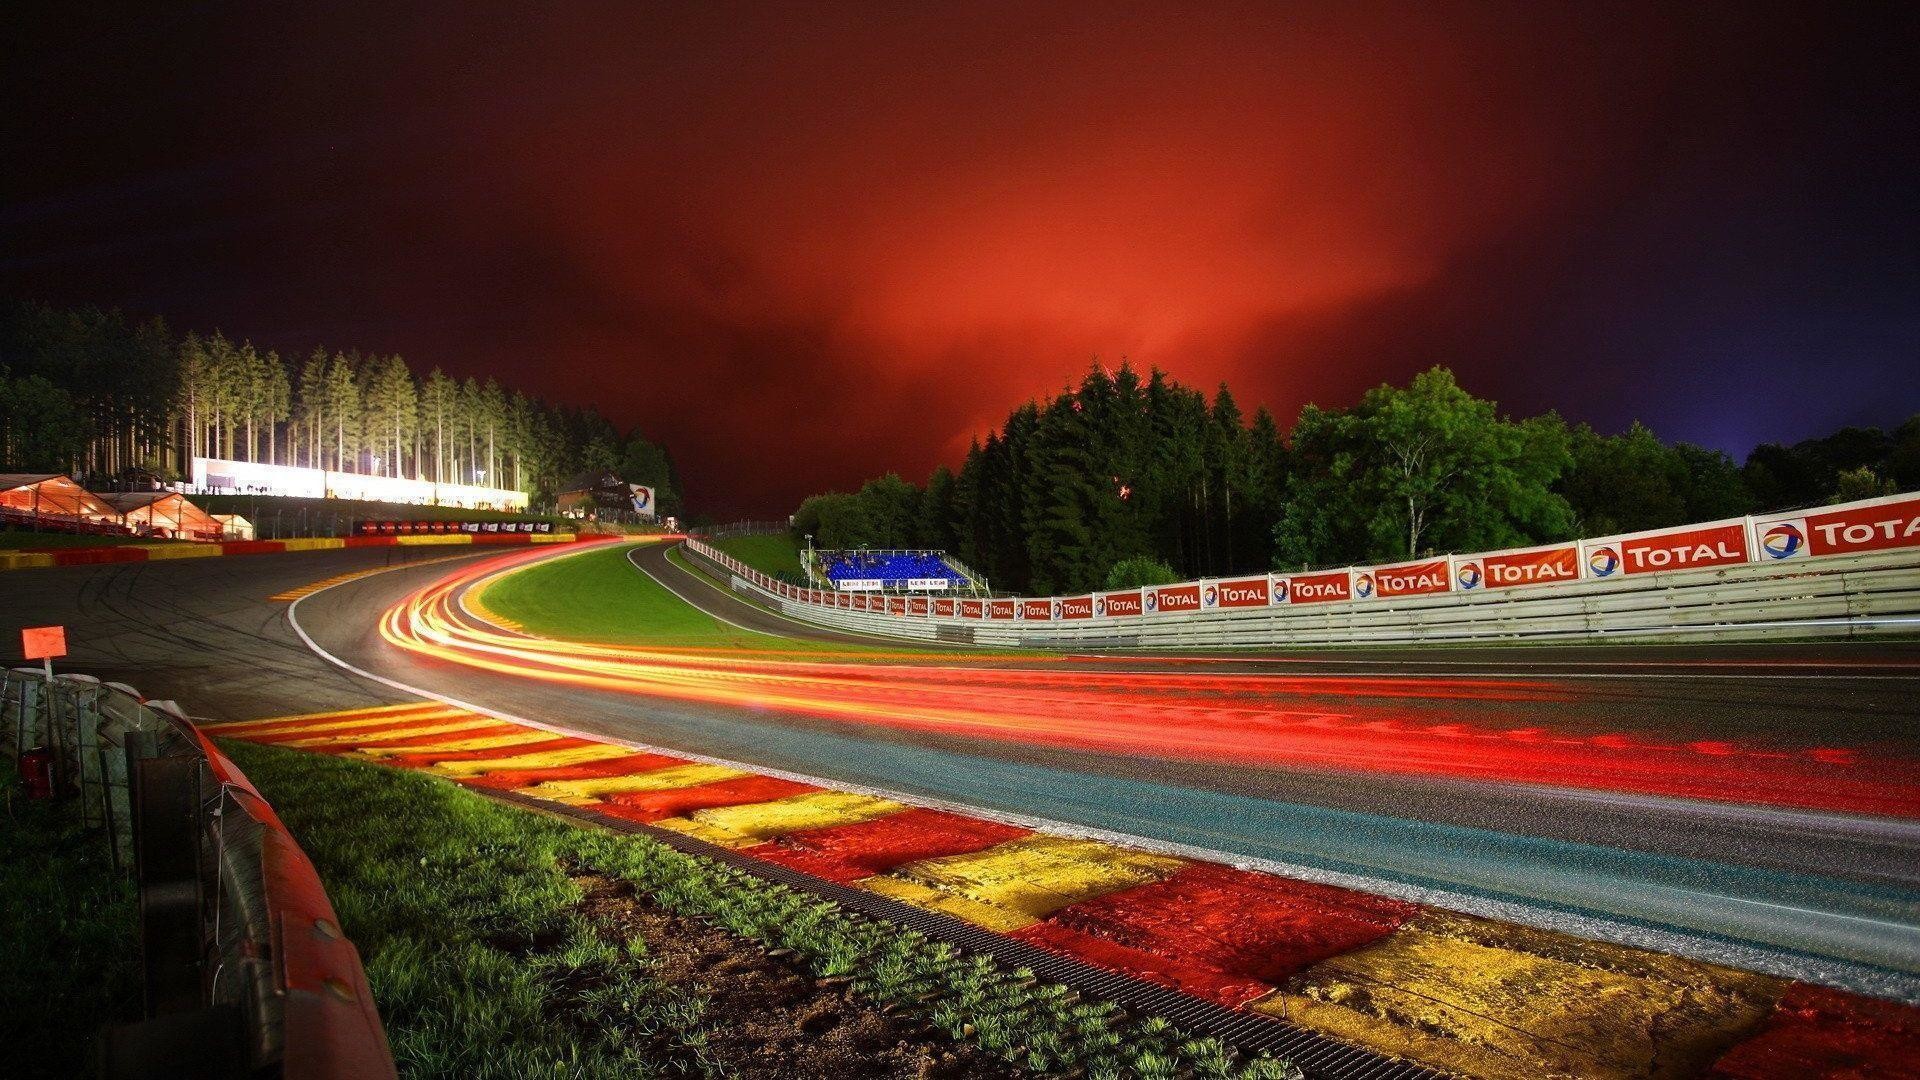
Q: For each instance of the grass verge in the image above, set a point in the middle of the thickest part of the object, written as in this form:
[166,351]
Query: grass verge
[29,540]
[69,952]
[490,958]
[599,596]
[775,554]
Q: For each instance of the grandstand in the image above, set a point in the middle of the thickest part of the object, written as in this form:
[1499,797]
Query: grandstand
[892,570]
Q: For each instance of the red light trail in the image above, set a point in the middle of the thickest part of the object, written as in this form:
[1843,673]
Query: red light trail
[1274,721]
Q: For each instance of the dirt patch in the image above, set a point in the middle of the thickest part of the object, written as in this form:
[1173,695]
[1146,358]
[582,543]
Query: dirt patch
[773,1020]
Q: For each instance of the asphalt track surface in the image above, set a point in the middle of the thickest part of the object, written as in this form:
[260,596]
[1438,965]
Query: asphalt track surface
[1825,896]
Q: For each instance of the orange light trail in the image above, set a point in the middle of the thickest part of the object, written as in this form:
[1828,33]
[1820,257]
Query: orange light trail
[1313,722]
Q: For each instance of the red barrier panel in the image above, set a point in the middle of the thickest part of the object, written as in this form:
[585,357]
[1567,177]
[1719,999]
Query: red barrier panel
[252,547]
[99,556]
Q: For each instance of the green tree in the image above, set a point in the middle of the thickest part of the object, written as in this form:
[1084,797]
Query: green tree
[1852,485]
[1138,572]
[42,428]
[1428,467]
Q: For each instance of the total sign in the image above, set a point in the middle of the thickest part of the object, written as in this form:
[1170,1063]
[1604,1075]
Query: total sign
[1409,579]
[1036,610]
[1871,526]
[1115,605]
[1720,544]
[1247,592]
[1507,569]
[1076,607]
[1321,588]
[1173,599]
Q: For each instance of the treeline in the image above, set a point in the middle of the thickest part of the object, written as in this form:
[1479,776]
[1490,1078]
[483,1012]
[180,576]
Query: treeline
[89,392]
[1123,480]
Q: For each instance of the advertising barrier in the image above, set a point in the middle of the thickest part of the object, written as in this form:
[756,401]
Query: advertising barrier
[1856,529]
[1874,525]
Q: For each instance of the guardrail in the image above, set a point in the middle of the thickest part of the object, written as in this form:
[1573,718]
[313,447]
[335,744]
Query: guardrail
[1837,571]
[246,970]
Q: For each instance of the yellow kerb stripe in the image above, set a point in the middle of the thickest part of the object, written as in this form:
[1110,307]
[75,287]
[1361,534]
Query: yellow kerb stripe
[948,903]
[1506,1002]
[390,712]
[546,759]
[753,822]
[581,792]
[182,551]
[522,737]
[403,733]
[1037,875]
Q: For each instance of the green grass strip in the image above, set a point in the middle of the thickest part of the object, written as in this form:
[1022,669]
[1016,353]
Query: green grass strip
[775,554]
[69,947]
[462,911]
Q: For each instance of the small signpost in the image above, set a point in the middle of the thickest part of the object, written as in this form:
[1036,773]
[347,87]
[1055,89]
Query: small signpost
[43,643]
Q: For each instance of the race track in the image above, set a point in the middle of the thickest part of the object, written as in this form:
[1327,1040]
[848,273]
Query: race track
[1786,885]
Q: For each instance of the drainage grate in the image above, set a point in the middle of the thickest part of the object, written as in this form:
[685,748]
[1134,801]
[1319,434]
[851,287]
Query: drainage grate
[1316,1054]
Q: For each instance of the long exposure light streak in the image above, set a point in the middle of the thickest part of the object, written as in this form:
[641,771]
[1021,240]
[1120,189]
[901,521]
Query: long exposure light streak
[1257,720]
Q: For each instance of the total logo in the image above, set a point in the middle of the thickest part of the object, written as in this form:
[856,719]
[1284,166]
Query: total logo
[1056,609]
[1783,539]
[1210,596]
[1363,585]
[1277,591]
[1603,561]
[1468,575]
[1100,606]
[1152,602]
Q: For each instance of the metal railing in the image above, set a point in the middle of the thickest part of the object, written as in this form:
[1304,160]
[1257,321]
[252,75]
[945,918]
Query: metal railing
[245,968]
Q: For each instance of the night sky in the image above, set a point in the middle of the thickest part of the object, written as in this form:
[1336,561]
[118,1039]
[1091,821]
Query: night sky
[804,248]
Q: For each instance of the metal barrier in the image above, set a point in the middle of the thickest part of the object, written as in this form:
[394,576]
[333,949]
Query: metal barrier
[1874,592]
[246,970]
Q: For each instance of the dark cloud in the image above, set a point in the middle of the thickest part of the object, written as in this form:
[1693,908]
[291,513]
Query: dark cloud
[805,247]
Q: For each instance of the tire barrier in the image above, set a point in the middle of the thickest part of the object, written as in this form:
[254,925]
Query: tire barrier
[246,971]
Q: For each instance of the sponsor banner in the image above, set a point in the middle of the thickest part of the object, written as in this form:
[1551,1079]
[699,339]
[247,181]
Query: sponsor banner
[859,584]
[973,609]
[1173,599]
[927,583]
[443,528]
[1320,588]
[1510,569]
[1277,589]
[1872,526]
[1003,609]
[917,605]
[1116,605]
[945,607]
[1719,544]
[896,605]
[1245,592]
[1076,607]
[1411,579]
[1038,610]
